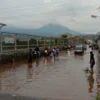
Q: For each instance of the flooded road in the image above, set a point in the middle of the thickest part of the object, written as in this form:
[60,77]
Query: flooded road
[62,78]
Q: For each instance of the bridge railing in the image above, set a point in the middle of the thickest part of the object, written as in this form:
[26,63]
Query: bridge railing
[13,42]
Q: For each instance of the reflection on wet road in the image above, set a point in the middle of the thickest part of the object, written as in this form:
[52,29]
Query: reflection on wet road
[60,78]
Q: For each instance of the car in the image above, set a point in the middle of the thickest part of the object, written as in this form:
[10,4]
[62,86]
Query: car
[79,49]
[84,47]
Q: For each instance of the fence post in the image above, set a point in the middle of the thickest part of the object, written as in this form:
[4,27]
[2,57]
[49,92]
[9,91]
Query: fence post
[28,42]
[44,43]
[1,41]
[49,42]
[54,42]
[63,43]
[15,42]
[37,43]
[0,44]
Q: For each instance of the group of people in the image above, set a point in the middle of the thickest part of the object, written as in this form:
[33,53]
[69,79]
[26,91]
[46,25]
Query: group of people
[52,52]
[33,54]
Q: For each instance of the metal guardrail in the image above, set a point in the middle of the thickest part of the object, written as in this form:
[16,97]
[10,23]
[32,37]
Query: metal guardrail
[22,42]
[11,51]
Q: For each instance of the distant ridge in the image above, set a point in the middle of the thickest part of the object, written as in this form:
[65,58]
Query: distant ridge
[47,30]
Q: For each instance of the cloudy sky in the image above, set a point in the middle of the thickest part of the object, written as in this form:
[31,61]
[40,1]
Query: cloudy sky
[74,14]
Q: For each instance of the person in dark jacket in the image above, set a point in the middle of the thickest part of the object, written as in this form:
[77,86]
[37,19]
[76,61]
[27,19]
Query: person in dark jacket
[92,61]
[37,51]
[30,56]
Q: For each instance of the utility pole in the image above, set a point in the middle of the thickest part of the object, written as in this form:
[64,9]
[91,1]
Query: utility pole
[1,25]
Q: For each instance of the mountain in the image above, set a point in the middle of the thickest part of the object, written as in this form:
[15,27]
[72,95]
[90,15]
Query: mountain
[56,30]
[47,30]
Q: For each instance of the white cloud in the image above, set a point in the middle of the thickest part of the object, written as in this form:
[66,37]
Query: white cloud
[74,14]
[47,1]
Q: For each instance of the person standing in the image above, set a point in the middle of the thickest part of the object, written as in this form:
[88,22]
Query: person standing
[30,56]
[57,51]
[54,52]
[46,52]
[37,51]
[92,61]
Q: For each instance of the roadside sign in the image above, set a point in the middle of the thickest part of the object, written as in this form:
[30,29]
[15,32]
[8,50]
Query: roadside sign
[9,40]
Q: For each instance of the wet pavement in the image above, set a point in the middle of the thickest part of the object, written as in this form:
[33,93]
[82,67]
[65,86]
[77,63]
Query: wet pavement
[62,78]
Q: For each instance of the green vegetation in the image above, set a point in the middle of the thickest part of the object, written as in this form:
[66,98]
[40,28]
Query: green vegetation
[64,36]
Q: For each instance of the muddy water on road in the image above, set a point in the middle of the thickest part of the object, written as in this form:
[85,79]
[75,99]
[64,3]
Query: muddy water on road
[60,78]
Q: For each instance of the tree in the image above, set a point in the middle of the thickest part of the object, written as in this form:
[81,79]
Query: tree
[64,36]
[32,41]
